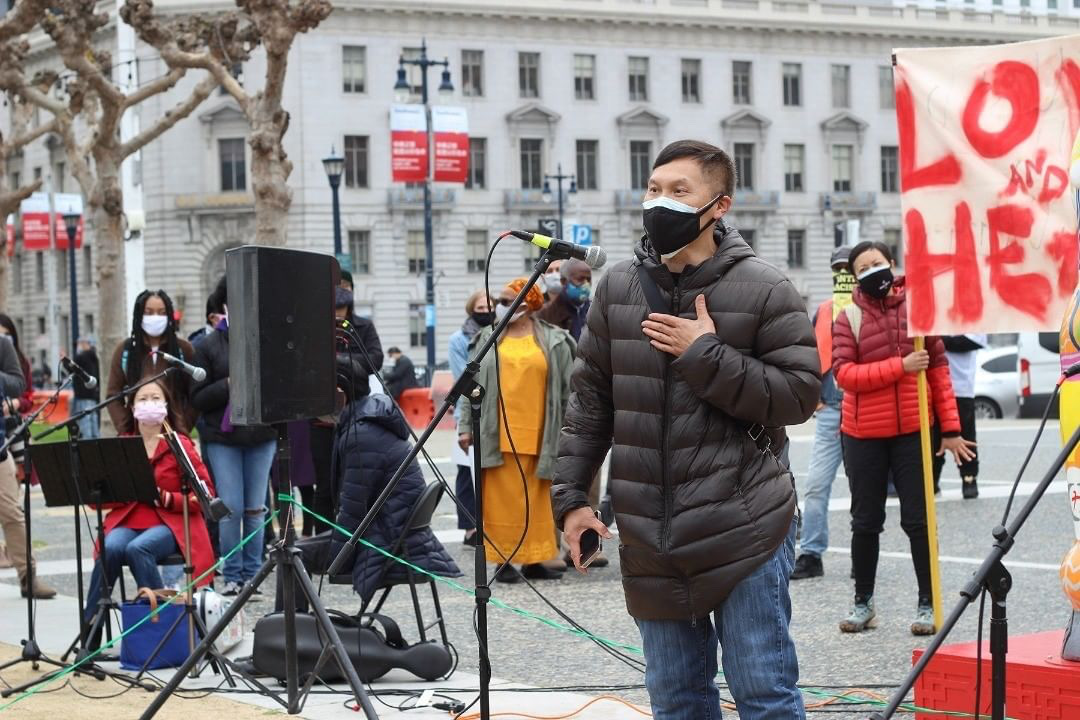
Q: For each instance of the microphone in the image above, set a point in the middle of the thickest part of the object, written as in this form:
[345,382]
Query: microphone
[1073,369]
[197,373]
[593,255]
[73,368]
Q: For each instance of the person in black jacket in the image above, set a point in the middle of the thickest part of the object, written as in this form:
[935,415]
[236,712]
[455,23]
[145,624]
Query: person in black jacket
[371,442]
[241,457]
[84,397]
[403,375]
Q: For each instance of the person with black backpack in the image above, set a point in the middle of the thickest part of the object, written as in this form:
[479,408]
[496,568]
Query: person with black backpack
[961,352]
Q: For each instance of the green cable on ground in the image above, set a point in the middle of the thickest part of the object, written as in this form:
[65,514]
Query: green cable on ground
[282,497]
[75,667]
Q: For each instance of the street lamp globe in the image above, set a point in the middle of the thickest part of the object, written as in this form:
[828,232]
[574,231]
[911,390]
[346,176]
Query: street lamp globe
[402,91]
[546,192]
[71,223]
[334,165]
[446,88]
[573,186]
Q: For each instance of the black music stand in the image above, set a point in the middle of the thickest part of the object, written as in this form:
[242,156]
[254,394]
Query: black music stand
[110,470]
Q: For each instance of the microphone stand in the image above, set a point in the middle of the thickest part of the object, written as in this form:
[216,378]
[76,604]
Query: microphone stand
[994,578]
[468,387]
[31,652]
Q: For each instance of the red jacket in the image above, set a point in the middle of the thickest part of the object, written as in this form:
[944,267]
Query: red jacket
[880,399]
[167,474]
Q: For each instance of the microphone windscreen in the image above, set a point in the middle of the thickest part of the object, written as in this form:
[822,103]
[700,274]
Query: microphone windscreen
[595,257]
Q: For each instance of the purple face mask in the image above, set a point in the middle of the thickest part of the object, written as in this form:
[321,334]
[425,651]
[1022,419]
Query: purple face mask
[150,412]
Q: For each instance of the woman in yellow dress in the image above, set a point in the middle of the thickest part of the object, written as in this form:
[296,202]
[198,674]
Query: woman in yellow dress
[535,362]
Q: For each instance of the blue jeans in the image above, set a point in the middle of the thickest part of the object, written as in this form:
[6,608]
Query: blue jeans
[242,475]
[466,496]
[759,660]
[140,550]
[826,454]
[89,426]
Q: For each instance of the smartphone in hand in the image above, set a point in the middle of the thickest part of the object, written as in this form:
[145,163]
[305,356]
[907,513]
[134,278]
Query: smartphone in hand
[590,546]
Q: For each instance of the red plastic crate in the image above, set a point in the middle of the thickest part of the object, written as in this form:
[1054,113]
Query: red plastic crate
[1039,684]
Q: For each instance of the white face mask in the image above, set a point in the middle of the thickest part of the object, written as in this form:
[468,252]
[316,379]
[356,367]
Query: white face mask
[669,203]
[553,282]
[502,310]
[154,325]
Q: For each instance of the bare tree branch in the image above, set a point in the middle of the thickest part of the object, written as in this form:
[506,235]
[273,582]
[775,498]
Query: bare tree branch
[11,199]
[170,118]
[20,19]
[154,87]
[32,135]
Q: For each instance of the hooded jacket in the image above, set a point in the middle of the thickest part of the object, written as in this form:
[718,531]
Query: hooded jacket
[372,441]
[882,400]
[682,459]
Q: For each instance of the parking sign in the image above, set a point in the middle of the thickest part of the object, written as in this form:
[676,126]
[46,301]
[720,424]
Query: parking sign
[581,234]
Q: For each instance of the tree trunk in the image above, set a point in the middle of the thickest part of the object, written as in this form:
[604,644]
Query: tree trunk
[105,212]
[270,170]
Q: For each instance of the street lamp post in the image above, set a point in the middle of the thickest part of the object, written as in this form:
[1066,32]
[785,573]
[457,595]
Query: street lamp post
[558,177]
[334,164]
[71,224]
[403,93]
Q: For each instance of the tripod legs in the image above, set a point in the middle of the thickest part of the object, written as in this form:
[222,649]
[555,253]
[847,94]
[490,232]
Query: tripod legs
[286,560]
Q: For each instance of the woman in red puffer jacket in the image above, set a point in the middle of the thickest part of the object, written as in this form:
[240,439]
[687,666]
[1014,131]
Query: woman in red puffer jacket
[875,363]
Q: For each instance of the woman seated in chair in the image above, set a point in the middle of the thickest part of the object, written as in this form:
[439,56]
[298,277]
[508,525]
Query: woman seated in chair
[372,441]
[140,535]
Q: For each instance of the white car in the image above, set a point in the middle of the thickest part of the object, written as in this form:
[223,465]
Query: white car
[1039,365]
[996,391]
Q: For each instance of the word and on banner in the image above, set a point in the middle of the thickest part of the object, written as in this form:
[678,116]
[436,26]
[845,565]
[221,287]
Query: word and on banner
[34,212]
[985,140]
[409,143]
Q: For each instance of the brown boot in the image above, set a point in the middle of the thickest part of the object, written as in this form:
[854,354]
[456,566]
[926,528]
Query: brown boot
[42,591]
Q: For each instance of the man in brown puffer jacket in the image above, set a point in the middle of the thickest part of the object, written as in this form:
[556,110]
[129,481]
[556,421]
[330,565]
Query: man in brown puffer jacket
[705,513]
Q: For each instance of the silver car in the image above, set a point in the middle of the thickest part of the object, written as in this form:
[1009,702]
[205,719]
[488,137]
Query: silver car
[996,384]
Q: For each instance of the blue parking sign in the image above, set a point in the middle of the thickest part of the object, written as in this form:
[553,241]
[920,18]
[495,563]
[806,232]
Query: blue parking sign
[581,234]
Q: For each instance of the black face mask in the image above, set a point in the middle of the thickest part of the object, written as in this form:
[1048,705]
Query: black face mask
[483,319]
[670,227]
[877,282]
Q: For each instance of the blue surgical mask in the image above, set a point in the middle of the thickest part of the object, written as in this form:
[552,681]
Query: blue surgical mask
[578,294]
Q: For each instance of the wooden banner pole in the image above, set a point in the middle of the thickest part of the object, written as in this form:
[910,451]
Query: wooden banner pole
[928,489]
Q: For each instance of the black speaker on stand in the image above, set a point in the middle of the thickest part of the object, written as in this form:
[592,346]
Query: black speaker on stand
[281,368]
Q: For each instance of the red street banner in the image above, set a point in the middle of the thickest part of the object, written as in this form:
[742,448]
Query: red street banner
[989,225]
[450,126]
[65,204]
[408,143]
[10,235]
[35,221]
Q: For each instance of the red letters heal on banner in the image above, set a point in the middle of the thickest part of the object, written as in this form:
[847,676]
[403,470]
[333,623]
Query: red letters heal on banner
[923,266]
[1029,292]
[1065,250]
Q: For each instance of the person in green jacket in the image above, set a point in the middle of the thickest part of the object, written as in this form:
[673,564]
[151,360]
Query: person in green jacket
[535,361]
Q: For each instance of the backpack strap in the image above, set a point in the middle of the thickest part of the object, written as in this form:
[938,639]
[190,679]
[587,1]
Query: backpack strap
[652,292]
[854,316]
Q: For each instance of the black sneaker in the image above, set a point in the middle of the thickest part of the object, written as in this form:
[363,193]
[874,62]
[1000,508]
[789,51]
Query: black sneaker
[970,488]
[536,571]
[507,574]
[807,566]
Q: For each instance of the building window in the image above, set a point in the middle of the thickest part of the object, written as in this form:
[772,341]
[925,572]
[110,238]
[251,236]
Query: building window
[585,77]
[37,173]
[750,236]
[530,254]
[356,161]
[237,71]
[414,252]
[792,84]
[794,167]
[529,74]
[39,271]
[843,167]
[1051,5]
[796,248]
[477,177]
[740,82]
[417,325]
[62,269]
[88,265]
[743,155]
[353,68]
[360,250]
[88,323]
[472,73]
[890,169]
[15,176]
[886,88]
[841,86]
[691,81]
[59,176]
[640,164]
[532,163]
[587,151]
[638,76]
[476,250]
[17,274]
[894,239]
[233,174]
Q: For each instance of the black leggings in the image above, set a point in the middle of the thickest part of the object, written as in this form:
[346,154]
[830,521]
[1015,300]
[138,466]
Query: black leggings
[868,464]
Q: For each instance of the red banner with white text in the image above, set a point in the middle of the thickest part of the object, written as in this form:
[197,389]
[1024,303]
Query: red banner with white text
[988,219]
[35,221]
[451,128]
[408,143]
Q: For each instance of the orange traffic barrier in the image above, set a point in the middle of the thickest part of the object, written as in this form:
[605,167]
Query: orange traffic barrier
[59,410]
[417,406]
